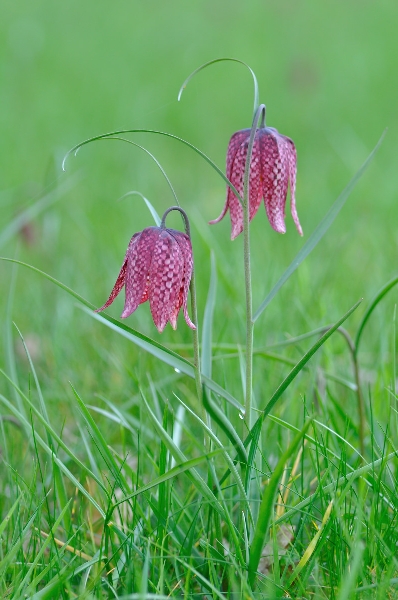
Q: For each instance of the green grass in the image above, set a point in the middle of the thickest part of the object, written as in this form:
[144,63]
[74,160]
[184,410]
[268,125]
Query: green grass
[113,483]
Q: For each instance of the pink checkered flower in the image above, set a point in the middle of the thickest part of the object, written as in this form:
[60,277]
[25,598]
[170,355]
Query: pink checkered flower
[272,168]
[157,267]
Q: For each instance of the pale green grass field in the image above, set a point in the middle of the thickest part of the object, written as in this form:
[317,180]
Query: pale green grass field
[77,434]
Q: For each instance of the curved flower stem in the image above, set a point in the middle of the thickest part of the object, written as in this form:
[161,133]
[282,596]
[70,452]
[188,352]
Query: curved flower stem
[122,139]
[114,134]
[216,60]
[260,113]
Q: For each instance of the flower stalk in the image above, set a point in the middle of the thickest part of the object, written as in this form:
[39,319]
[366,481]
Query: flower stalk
[260,113]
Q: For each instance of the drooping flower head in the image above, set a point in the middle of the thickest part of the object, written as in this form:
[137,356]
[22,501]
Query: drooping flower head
[272,168]
[157,267]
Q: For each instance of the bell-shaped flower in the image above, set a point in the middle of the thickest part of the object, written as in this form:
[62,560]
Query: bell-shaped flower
[272,168]
[157,267]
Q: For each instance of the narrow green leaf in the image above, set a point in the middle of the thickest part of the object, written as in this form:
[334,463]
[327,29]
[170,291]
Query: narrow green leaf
[379,296]
[255,430]
[20,540]
[228,459]
[145,573]
[8,516]
[100,441]
[267,505]
[319,232]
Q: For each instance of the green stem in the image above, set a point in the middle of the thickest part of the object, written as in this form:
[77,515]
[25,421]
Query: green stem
[209,406]
[260,112]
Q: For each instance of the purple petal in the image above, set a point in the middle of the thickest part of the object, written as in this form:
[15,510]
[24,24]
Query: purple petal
[165,276]
[275,179]
[186,250]
[120,281]
[234,145]
[138,264]
[232,202]
[255,191]
[292,162]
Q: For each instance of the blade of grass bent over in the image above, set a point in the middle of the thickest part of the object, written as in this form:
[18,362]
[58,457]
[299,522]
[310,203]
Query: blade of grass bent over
[319,232]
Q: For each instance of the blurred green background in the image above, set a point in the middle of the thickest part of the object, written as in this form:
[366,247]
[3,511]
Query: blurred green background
[328,74]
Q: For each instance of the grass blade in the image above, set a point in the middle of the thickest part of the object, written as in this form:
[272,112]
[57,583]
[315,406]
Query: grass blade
[379,296]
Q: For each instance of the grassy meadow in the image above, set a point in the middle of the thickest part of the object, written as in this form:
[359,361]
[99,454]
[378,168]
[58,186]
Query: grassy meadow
[114,481]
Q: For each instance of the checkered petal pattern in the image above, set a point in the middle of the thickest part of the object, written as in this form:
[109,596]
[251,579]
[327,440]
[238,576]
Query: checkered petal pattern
[272,169]
[157,267]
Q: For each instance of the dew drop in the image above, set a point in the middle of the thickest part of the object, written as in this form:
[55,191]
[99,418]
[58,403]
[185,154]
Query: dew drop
[241,416]
[177,370]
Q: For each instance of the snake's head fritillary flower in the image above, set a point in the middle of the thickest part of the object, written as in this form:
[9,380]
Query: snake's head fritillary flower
[272,168]
[157,267]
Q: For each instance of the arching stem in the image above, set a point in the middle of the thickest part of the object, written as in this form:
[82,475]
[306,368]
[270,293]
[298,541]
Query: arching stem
[216,60]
